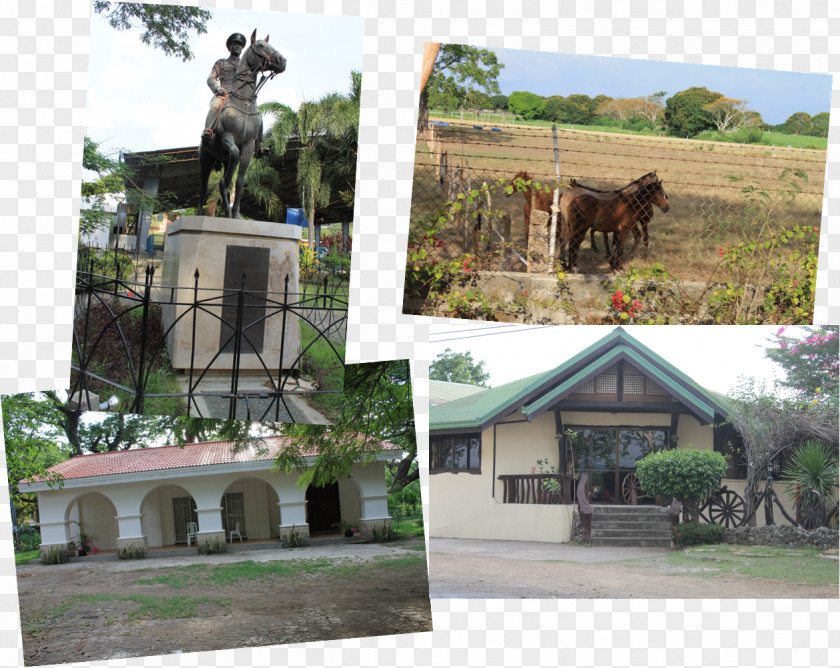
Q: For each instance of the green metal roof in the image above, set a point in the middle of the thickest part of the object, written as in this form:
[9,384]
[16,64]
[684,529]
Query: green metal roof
[536,393]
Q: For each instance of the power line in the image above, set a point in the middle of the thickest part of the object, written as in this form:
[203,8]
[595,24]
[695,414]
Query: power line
[507,331]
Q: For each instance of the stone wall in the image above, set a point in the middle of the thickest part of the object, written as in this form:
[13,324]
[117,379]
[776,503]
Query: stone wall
[293,534]
[783,536]
[132,548]
[210,542]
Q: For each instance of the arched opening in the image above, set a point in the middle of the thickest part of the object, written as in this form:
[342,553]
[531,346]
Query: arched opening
[253,504]
[323,508]
[92,521]
[167,510]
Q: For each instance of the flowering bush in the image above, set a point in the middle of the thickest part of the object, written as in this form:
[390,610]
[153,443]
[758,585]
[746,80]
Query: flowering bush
[688,534]
[624,307]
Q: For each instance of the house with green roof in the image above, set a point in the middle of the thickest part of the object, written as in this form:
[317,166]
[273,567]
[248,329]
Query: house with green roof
[599,412]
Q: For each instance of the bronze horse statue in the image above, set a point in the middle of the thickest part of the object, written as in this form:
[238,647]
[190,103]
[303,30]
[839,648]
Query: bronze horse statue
[618,211]
[239,124]
[543,201]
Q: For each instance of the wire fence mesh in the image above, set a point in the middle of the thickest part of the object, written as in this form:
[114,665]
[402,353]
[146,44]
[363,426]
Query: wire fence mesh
[719,194]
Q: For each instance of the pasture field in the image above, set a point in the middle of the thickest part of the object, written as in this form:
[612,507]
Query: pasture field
[721,194]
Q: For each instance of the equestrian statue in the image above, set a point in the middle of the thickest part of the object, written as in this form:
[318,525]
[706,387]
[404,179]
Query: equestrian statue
[233,129]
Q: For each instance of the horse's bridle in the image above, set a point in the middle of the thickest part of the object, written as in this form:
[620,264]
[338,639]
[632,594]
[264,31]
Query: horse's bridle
[263,64]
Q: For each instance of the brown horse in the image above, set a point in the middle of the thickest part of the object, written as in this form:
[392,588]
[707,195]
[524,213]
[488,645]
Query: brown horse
[641,223]
[618,211]
[543,201]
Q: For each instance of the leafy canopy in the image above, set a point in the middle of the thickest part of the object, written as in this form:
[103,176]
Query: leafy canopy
[455,367]
[810,363]
[378,407]
[165,27]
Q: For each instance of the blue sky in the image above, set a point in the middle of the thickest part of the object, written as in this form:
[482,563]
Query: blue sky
[140,99]
[774,94]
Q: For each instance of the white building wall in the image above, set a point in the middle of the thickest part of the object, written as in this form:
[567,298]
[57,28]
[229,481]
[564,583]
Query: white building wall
[145,508]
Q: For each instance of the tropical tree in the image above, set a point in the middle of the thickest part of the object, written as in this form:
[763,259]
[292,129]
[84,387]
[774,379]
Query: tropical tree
[325,133]
[770,425]
[458,368]
[812,466]
[459,69]
[810,362]
[799,123]
[525,104]
[684,113]
[165,27]
[728,114]
[378,407]
[819,124]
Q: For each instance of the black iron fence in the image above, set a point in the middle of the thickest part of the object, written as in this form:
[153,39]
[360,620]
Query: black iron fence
[268,356]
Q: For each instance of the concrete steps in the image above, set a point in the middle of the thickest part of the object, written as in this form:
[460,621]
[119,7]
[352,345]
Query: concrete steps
[631,526]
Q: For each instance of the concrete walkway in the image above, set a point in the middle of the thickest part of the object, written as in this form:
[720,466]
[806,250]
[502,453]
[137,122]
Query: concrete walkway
[517,550]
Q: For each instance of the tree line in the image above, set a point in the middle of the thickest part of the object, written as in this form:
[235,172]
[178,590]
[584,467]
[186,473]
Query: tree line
[687,113]
[466,77]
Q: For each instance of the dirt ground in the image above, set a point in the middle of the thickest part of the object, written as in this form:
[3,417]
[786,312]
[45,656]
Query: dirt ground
[460,569]
[266,611]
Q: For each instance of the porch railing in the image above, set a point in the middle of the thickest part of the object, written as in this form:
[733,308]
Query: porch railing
[530,488]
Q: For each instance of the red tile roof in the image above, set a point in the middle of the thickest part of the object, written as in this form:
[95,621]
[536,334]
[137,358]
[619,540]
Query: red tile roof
[175,457]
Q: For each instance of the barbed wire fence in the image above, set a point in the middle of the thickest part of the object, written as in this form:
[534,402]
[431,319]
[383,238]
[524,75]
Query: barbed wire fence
[718,193]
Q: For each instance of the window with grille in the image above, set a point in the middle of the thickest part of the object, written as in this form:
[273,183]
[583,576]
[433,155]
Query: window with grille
[184,511]
[233,511]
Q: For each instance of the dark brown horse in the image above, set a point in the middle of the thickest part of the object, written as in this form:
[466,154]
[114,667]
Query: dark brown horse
[618,211]
[641,227]
[543,201]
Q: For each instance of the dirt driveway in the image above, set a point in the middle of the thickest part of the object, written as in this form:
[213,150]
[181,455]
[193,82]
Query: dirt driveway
[91,610]
[463,568]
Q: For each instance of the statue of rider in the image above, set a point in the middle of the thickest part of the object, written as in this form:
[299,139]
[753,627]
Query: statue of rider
[221,82]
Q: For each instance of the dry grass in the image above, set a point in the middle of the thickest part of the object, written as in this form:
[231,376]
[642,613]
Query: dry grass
[708,209]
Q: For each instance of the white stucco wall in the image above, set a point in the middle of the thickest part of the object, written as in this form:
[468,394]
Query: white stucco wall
[143,508]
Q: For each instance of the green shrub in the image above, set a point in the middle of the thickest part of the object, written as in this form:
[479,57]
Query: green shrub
[689,533]
[56,554]
[813,466]
[687,475]
[383,534]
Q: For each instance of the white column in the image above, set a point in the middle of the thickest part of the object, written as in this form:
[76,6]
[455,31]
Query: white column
[130,526]
[209,519]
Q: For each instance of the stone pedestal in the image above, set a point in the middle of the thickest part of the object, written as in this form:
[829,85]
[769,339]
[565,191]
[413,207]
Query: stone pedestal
[222,250]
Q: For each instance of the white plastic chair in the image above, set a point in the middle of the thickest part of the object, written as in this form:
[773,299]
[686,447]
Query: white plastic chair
[192,533]
[235,532]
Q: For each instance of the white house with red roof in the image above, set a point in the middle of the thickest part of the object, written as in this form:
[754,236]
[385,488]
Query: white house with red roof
[144,498]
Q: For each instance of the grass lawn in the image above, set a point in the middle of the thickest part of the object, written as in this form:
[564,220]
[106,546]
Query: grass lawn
[409,528]
[791,565]
[24,557]
[274,572]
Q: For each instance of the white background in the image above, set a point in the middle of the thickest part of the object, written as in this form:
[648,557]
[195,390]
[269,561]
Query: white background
[43,81]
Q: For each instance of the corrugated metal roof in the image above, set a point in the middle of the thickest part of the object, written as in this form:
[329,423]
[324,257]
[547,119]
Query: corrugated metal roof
[175,457]
[441,391]
[481,410]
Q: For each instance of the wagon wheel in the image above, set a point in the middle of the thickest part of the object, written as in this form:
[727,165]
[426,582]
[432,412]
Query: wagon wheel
[631,489]
[810,510]
[726,508]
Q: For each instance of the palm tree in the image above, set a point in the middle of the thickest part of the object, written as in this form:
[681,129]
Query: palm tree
[325,134]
